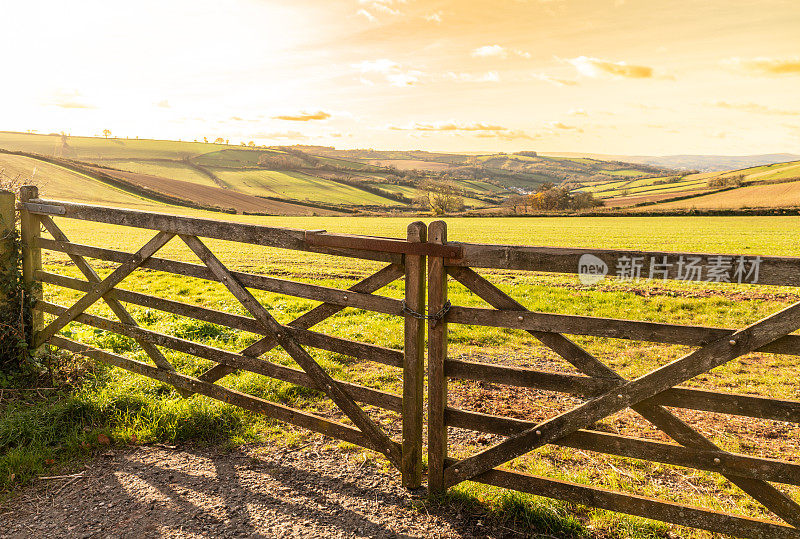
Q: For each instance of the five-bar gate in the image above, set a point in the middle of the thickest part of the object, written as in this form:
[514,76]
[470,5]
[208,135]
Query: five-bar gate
[604,390]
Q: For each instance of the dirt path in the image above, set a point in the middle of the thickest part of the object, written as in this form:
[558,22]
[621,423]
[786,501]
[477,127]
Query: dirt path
[259,491]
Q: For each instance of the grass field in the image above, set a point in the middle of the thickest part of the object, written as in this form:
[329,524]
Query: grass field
[625,193]
[175,170]
[297,186]
[130,409]
[756,196]
[63,184]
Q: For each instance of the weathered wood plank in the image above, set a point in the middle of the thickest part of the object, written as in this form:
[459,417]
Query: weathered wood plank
[30,232]
[360,393]
[336,296]
[370,352]
[585,386]
[414,359]
[319,313]
[387,245]
[437,354]
[772,270]
[285,238]
[635,391]
[101,288]
[248,402]
[772,498]
[637,448]
[632,504]
[116,307]
[297,352]
[613,328]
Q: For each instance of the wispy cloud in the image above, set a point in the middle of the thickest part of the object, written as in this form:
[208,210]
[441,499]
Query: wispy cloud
[392,72]
[490,51]
[284,135]
[765,65]
[304,116]
[69,99]
[563,126]
[595,67]
[164,104]
[554,81]
[497,51]
[367,15]
[509,136]
[489,76]
[756,108]
[448,126]
[373,8]
[436,17]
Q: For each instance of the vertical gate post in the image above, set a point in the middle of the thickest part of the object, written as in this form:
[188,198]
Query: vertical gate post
[9,313]
[30,229]
[437,352]
[413,361]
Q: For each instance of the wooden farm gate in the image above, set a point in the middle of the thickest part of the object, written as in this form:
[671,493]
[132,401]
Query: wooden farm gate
[405,259]
[605,391]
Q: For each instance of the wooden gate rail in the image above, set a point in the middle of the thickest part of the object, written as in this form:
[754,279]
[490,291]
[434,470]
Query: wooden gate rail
[606,391]
[406,260]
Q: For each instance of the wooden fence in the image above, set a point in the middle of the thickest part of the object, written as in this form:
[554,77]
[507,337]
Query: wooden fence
[605,391]
[405,260]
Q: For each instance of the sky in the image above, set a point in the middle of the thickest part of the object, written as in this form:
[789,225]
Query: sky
[622,77]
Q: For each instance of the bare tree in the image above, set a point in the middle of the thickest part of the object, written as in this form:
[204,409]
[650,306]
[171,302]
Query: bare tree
[106,133]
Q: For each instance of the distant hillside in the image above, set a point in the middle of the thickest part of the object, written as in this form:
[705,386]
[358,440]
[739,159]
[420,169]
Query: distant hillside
[254,179]
[775,185]
[701,163]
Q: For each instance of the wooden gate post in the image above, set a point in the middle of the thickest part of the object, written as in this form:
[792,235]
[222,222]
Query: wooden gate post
[8,317]
[437,352]
[30,229]
[414,361]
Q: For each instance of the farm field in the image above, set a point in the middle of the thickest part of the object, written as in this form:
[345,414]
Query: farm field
[749,195]
[687,303]
[755,196]
[63,184]
[297,186]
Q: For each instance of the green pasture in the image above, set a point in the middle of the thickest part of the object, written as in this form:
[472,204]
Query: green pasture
[176,170]
[131,409]
[297,186]
[59,183]
[91,148]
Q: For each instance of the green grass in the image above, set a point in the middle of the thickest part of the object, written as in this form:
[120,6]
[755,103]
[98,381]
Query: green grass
[176,170]
[59,183]
[94,149]
[132,409]
[297,186]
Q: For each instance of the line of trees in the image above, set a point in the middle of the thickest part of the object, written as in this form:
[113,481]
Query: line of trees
[548,197]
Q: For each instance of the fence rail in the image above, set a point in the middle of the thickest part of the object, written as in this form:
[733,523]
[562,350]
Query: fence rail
[606,392]
[426,262]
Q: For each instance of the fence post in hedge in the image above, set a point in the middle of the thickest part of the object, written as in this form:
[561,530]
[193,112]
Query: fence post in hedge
[414,361]
[437,353]
[9,319]
[30,229]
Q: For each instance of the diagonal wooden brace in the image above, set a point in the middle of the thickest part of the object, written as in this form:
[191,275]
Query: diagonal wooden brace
[323,380]
[102,288]
[115,305]
[775,500]
[316,315]
[693,364]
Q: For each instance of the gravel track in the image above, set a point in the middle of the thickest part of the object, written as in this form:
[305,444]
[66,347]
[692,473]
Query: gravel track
[254,491]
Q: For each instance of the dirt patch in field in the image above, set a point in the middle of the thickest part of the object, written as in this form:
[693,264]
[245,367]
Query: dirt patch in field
[206,195]
[631,200]
[255,491]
